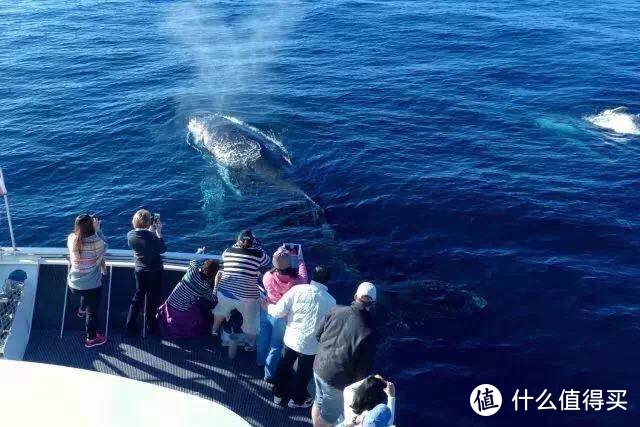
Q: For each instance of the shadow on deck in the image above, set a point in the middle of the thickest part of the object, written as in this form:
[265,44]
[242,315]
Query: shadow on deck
[191,366]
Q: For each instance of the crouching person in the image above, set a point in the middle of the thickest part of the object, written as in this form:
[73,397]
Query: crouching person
[370,402]
[303,306]
[185,314]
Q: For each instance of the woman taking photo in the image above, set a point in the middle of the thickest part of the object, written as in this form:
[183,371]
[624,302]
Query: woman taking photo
[87,248]
[148,246]
[276,283]
[185,314]
[369,403]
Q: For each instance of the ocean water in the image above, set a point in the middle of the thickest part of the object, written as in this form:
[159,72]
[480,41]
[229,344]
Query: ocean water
[468,157]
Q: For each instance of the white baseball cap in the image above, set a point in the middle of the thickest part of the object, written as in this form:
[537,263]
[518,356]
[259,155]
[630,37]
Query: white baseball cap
[367,289]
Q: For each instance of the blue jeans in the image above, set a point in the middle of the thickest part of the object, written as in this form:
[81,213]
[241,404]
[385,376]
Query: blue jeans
[329,400]
[269,348]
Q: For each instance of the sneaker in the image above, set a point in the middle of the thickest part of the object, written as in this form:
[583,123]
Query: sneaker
[81,313]
[98,340]
[306,404]
[277,400]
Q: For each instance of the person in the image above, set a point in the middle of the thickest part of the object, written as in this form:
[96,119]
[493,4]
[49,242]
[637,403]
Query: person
[276,283]
[303,306]
[148,246]
[345,353]
[238,287]
[87,249]
[185,313]
[370,402]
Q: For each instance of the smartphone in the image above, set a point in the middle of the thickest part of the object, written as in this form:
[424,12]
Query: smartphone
[155,218]
[296,251]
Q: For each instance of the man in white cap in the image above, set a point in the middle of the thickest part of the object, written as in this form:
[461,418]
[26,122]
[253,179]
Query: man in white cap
[345,353]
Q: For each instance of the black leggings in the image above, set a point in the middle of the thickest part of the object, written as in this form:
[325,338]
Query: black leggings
[149,284]
[290,384]
[89,302]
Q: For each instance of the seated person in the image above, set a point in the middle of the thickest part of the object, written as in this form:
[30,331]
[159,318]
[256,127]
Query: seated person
[185,314]
[370,402]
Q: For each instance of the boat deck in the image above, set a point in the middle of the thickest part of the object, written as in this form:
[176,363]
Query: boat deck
[192,366]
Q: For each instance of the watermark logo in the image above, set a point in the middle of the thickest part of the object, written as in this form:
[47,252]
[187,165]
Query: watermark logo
[485,400]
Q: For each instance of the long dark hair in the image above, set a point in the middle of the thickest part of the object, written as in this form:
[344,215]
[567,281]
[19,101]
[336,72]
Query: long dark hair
[82,228]
[369,394]
[291,272]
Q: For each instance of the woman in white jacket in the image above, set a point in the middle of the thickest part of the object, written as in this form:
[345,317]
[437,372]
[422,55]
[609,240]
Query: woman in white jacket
[303,306]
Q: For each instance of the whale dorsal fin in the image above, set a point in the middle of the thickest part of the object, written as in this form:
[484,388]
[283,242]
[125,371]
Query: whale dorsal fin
[619,110]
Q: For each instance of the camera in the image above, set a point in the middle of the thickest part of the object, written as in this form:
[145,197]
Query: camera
[155,217]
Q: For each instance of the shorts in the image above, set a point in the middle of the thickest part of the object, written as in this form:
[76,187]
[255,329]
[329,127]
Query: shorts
[246,306]
[329,400]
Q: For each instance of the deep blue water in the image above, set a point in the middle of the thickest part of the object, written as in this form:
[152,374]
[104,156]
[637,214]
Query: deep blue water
[439,149]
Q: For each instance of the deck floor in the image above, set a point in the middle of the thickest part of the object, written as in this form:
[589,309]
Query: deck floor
[192,366]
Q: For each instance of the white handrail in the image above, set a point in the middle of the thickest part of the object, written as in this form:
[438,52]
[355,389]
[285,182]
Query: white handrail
[174,261]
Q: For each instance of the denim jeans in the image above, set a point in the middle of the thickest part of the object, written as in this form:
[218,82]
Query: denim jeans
[270,344]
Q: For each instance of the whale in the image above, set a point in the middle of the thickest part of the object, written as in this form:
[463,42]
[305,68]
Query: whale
[246,157]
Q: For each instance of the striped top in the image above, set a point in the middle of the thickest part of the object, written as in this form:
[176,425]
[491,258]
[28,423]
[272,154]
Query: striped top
[85,269]
[91,255]
[241,272]
[191,288]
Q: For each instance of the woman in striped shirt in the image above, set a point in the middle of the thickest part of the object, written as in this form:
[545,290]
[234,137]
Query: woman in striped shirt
[185,313]
[238,288]
[87,249]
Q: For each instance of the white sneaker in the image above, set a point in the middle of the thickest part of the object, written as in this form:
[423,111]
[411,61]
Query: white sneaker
[306,404]
[277,400]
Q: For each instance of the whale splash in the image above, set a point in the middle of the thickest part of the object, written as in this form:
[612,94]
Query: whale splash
[617,120]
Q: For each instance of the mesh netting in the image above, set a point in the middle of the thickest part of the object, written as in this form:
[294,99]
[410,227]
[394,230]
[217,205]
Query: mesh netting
[10,295]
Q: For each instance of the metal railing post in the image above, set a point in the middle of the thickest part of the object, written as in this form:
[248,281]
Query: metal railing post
[106,327]
[144,318]
[66,297]
[13,239]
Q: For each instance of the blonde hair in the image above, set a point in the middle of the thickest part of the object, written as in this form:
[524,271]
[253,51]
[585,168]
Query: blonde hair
[141,219]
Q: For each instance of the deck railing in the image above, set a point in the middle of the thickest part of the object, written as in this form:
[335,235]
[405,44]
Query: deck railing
[174,261]
[119,258]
